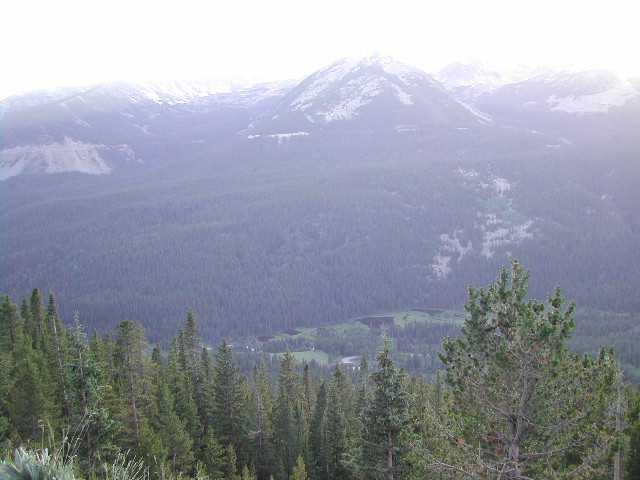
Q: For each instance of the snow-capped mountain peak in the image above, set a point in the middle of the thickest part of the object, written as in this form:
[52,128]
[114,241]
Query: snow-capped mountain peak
[361,79]
[183,91]
[456,75]
[349,87]
[470,80]
[585,92]
[590,91]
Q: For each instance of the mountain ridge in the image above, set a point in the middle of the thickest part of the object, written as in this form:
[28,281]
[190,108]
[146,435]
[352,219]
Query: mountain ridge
[369,92]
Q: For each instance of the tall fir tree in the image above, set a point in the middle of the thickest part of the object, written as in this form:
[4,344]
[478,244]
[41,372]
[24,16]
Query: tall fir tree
[131,374]
[230,406]
[180,381]
[289,414]
[191,344]
[215,457]
[29,397]
[262,423]
[340,423]
[204,392]
[171,428]
[58,351]
[317,451]
[379,449]
[89,422]
[38,323]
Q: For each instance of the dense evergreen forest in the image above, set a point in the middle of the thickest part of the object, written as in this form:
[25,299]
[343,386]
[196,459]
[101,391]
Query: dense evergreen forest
[263,238]
[511,401]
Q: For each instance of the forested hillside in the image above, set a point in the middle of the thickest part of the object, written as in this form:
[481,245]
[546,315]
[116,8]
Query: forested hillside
[512,402]
[367,187]
[262,245]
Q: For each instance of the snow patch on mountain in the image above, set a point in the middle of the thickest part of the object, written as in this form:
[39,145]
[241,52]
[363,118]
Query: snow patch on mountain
[281,137]
[344,96]
[174,92]
[470,80]
[355,94]
[322,81]
[451,246]
[502,236]
[475,75]
[615,96]
[403,96]
[481,116]
[498,185]
[497,223]
[441,265]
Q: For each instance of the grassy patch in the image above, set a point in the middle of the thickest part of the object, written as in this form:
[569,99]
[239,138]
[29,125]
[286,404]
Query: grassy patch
[307,356]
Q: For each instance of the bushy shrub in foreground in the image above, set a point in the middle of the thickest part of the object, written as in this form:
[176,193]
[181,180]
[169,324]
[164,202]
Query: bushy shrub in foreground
[30,465]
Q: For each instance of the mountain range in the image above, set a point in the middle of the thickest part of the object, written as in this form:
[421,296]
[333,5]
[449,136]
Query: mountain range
[370,185]
[105,128]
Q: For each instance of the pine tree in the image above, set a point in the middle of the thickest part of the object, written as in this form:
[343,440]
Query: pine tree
[248,474]
[231,463]
[191,344]
[89,421]
[131,372]
[378,451]
[299,471]
[364,387]
[229,402]
[182,389]
[215,457]
[12,326]
[289,413]
[153,452]
[204,392]
[262,423]
[339,423]
[58,350]
[38,323]
[28,385]
[32,407]
[156,356]
[317,434]
[171,429]
[525,406]
[309,398]
[632,457]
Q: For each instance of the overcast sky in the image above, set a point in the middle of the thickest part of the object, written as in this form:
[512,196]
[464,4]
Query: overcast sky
[67,42]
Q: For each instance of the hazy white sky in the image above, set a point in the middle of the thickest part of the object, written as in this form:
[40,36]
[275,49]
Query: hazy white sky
[78,42]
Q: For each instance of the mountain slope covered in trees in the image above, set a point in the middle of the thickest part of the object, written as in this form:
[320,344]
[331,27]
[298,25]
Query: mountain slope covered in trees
[367,187]
[514,402]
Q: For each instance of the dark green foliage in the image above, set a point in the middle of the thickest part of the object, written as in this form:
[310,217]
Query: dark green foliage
[269,245]
[181,418]
[131,377]
[171,429]
[632,457]
[317,448]
[289,414]
[379,449]
[526,406]
[93,429]
[339,425]
[230,403]
[262,427]
[183,389]
[215,457]
[204,395]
